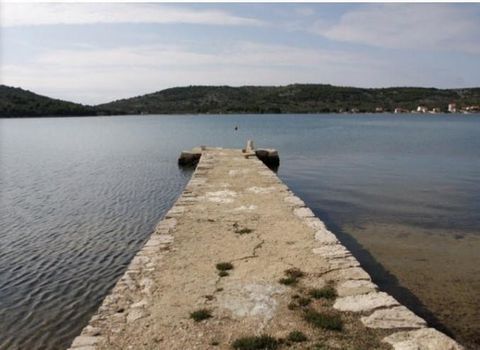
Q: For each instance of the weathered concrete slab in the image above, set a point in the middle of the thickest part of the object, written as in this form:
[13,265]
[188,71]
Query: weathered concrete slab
[365,302]
[355,287]
[396,317]
[353,273]
[255,299]
[422,339]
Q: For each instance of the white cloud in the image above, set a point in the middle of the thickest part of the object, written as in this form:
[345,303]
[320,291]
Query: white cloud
[33,14]
[236,53]
[407,26]
[100,75]
[304,11]
[97,84]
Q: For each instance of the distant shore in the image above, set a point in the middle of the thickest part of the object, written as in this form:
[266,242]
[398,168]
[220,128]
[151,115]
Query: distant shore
[244,114]
[290,99]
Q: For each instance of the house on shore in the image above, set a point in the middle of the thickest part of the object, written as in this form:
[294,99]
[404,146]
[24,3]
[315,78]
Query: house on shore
[422,109]
[472,109]
[401,110]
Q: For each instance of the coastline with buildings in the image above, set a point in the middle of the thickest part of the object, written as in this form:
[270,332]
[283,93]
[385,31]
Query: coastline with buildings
[451,108]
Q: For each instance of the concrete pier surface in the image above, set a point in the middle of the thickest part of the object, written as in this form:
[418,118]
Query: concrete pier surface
[240,262]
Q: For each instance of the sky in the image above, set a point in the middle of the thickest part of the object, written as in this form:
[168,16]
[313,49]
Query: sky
[98,52]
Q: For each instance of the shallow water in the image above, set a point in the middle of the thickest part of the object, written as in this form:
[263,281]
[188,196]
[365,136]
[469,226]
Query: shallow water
[79,196]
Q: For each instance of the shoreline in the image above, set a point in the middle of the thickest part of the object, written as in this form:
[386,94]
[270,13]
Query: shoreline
[244,114]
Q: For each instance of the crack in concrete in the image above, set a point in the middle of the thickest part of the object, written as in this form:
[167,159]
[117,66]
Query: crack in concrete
[254,251]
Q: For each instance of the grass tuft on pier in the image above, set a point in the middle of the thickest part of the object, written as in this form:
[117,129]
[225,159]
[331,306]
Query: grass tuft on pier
[200,315]
[241,230]
[331,322]
[224,266]
[297,337]
[263,342]
[327,292]
[292,277]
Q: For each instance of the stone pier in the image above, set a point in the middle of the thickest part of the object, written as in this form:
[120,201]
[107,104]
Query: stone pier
[240,262]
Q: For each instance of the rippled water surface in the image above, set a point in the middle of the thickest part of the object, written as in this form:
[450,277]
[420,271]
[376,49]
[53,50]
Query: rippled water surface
[79,196]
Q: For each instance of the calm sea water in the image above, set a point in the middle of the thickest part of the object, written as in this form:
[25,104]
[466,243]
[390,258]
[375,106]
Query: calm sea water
[79,196]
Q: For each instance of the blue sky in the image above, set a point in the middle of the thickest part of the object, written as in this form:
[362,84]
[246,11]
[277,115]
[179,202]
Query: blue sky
[98,52]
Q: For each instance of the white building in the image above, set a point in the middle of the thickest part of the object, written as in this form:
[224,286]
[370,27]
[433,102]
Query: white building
[422,109]
[452,108]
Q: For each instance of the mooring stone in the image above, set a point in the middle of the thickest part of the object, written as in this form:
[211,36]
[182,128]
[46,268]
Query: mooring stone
[396,317]
[268,156]
[422,339]
[189,157]
[365,302]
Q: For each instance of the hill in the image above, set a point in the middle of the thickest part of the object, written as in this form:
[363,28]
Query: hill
[16,102]
[298,98]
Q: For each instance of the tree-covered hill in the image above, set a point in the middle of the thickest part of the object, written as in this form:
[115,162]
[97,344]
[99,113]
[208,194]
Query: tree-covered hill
[289,99]
[16,102]
[297,98]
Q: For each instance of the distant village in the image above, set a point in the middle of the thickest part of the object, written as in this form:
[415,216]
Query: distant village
[452,108]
